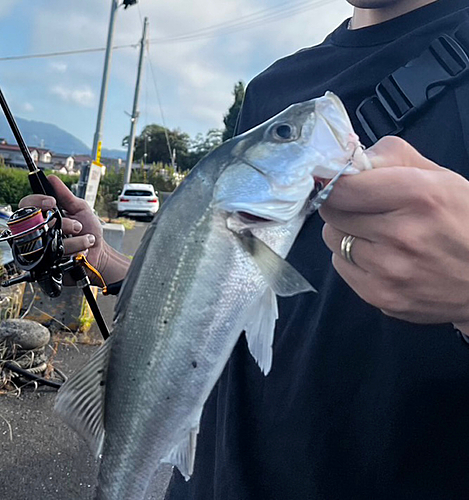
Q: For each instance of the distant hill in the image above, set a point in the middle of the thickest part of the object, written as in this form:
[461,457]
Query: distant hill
[50,136]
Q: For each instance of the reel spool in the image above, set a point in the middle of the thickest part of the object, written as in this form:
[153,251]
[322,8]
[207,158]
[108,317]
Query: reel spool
[37,247]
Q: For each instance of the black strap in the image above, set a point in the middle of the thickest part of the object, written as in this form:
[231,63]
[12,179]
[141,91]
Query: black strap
[411,87]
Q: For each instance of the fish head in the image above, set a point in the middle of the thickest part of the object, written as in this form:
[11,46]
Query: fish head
[274,165]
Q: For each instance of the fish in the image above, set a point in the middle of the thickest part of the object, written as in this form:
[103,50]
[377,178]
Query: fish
[209,269]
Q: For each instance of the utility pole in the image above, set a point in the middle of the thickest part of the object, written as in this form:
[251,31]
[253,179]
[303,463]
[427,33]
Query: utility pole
[95,152]
[135,112]
[105,80]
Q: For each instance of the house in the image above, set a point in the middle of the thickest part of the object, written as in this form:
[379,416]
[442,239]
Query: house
[64,164]
[12,155]
[82,160]
[41,155]
[44,158]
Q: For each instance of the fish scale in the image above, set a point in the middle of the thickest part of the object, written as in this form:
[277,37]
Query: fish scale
[211,340]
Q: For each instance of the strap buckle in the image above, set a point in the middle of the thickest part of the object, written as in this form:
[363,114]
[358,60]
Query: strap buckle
[410,87]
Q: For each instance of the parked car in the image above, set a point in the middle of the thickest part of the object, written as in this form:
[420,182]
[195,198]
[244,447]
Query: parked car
[138,200]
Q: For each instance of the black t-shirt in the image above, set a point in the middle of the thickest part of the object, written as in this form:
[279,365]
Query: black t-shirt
[357,405]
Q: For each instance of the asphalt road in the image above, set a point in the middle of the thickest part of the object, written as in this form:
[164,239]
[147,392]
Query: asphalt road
[40,456]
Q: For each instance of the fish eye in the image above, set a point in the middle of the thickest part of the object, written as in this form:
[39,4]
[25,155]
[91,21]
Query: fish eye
[284,132]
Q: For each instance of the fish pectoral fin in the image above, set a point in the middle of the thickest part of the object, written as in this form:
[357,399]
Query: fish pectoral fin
[260,329]
[281,276]
[80,401]
[183,454]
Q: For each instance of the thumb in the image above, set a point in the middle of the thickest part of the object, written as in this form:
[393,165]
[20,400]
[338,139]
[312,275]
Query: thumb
[65,198]
[393,151]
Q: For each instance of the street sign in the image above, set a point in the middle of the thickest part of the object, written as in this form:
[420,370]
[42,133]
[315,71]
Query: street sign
[93,184]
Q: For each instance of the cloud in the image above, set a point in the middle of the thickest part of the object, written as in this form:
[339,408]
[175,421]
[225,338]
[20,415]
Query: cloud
[27,107]
[83,97]
[195,76]
[58,67]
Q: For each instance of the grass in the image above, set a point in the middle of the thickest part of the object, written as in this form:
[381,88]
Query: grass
[127,223]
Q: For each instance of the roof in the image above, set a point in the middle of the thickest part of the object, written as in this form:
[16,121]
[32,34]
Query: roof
[15,147]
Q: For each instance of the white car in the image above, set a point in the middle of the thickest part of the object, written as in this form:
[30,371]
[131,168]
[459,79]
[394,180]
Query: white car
[138,200]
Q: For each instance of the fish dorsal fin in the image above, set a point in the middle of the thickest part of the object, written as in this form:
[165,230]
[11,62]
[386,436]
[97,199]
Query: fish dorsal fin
[281,276]
[183,454]
[80,401]
[260,328]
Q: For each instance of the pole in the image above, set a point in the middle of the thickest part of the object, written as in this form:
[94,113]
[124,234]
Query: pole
[102,100]
[135,112]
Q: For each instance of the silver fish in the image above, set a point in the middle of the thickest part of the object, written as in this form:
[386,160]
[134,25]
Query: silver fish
[209,267]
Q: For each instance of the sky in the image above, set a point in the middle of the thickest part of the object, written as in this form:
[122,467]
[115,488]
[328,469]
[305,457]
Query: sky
[197,51]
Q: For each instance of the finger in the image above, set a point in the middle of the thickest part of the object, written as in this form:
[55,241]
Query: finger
[358,280]
[383,189]
[37,200]
[65,198]
[360,250]
[393,151]
[398,175]
[71,226]
[366,226]
[78,244]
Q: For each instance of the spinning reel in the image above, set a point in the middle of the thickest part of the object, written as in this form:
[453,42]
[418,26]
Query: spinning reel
[37,248]
[36,243]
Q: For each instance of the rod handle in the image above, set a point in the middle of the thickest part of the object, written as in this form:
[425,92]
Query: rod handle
[40,184]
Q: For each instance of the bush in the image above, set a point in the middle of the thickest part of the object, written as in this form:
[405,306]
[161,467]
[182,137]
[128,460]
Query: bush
[14,185]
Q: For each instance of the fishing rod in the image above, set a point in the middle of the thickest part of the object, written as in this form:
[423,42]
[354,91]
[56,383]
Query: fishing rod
[36,239]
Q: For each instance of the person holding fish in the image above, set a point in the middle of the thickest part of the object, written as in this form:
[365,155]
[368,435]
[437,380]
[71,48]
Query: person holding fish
[368,393]
[391,210]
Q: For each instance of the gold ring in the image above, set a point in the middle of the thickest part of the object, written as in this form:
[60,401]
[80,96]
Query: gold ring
[346,248]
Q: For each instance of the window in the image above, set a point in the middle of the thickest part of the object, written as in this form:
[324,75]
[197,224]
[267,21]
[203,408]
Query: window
[137,192]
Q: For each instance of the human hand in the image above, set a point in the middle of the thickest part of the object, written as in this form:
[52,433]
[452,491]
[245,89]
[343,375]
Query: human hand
[85,231]
[411,252]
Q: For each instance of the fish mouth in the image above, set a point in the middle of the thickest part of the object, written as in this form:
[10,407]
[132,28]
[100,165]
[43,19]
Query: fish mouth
[251,218]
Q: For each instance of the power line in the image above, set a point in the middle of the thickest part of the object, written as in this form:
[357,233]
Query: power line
[248,21]
[168,142]
[65,53]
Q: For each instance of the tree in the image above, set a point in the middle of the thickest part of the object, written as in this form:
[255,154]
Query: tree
[153,175]
[109,188]
[202,145]
[231,116]
[151,146]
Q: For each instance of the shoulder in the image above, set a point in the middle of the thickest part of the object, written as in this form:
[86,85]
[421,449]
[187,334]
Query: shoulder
[279,85]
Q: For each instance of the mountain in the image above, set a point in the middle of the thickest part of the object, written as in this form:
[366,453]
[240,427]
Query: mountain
[46,135]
